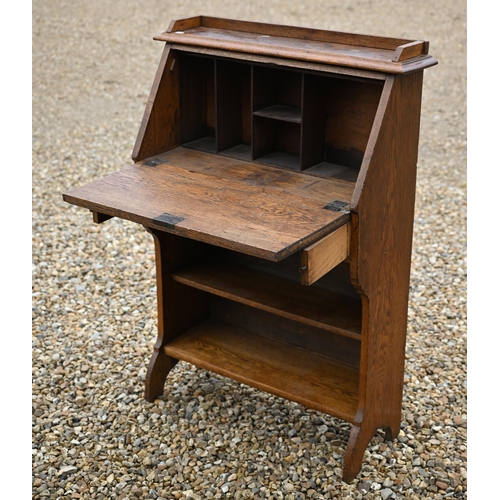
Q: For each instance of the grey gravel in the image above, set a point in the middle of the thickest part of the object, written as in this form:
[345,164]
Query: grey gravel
[94,306]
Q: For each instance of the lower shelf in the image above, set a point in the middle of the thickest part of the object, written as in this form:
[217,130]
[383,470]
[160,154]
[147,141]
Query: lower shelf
[333,171]
[290,372]
[313,306]
[241,152]
[280,112]
[278,159]
[207,144]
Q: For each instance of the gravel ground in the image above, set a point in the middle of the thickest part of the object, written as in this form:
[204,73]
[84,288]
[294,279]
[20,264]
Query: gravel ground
[94,303]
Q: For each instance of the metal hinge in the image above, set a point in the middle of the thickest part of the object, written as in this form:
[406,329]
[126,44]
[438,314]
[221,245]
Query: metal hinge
[338,206]
[168,220]
[154,162]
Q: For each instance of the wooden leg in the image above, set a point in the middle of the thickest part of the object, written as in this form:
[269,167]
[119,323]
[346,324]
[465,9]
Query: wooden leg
[179,307]
[358,441]
[159,366]
[392,432]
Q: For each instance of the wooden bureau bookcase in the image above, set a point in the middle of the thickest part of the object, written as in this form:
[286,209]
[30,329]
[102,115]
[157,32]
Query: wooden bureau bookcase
[275,168]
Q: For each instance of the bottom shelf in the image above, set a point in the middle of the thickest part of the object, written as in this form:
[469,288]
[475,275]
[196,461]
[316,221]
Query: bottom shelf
[241,152]
[278,159]
[333,171]
[207,144]
[307,378]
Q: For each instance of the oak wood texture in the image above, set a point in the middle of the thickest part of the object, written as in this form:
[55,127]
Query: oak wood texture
[380,266]
[179,307]
[315,307]
[159,130]
[340,348]
[351,108]
[272,366]
[333,171]
[275,168]
[321,257]
[198,101]
[338,280]
[280,112]
[314,117]
[409,50]
[280,117]
[233,88]
[339,71]
[99,218]
[340,49]
[240,205]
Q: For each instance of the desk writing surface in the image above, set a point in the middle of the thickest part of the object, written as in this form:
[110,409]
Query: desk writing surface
[258,210]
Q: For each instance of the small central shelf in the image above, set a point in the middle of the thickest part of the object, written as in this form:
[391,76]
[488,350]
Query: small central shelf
[241,152]
[308,305]
[281,112]
[279,159]
[207,144]
[272,366]
[332,171]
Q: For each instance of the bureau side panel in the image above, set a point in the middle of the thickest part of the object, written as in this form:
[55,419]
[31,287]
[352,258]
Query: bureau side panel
[160,130]
[382,228]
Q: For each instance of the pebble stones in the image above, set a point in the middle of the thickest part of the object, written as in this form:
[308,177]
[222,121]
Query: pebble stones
[94,304]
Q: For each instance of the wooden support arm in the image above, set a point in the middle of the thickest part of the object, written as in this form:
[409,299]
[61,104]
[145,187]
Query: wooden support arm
[99,217]
[320,257]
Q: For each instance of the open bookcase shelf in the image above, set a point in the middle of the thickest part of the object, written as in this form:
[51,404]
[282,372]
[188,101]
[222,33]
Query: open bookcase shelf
[281,112]
[207,144]
[334,313]
[275,367]
[240,152]
[275,168]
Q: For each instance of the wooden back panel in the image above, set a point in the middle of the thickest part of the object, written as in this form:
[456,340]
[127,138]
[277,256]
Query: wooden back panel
[197,98]
[351,106]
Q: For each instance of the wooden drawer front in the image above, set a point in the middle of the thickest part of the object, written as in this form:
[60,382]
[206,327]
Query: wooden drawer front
[320,257]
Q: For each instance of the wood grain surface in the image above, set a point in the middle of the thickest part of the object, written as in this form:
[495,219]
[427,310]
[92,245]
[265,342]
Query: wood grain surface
[312,306]
[262,211]
[322,256]
[275,367]
[343,49]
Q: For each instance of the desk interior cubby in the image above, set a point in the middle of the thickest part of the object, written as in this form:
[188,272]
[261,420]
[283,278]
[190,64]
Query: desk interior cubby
[233,109]
[277,116]
[350,108]
[215,106]
[198,104]
[281,117]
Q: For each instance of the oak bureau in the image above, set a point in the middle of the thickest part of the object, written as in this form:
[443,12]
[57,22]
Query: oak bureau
[275,168]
